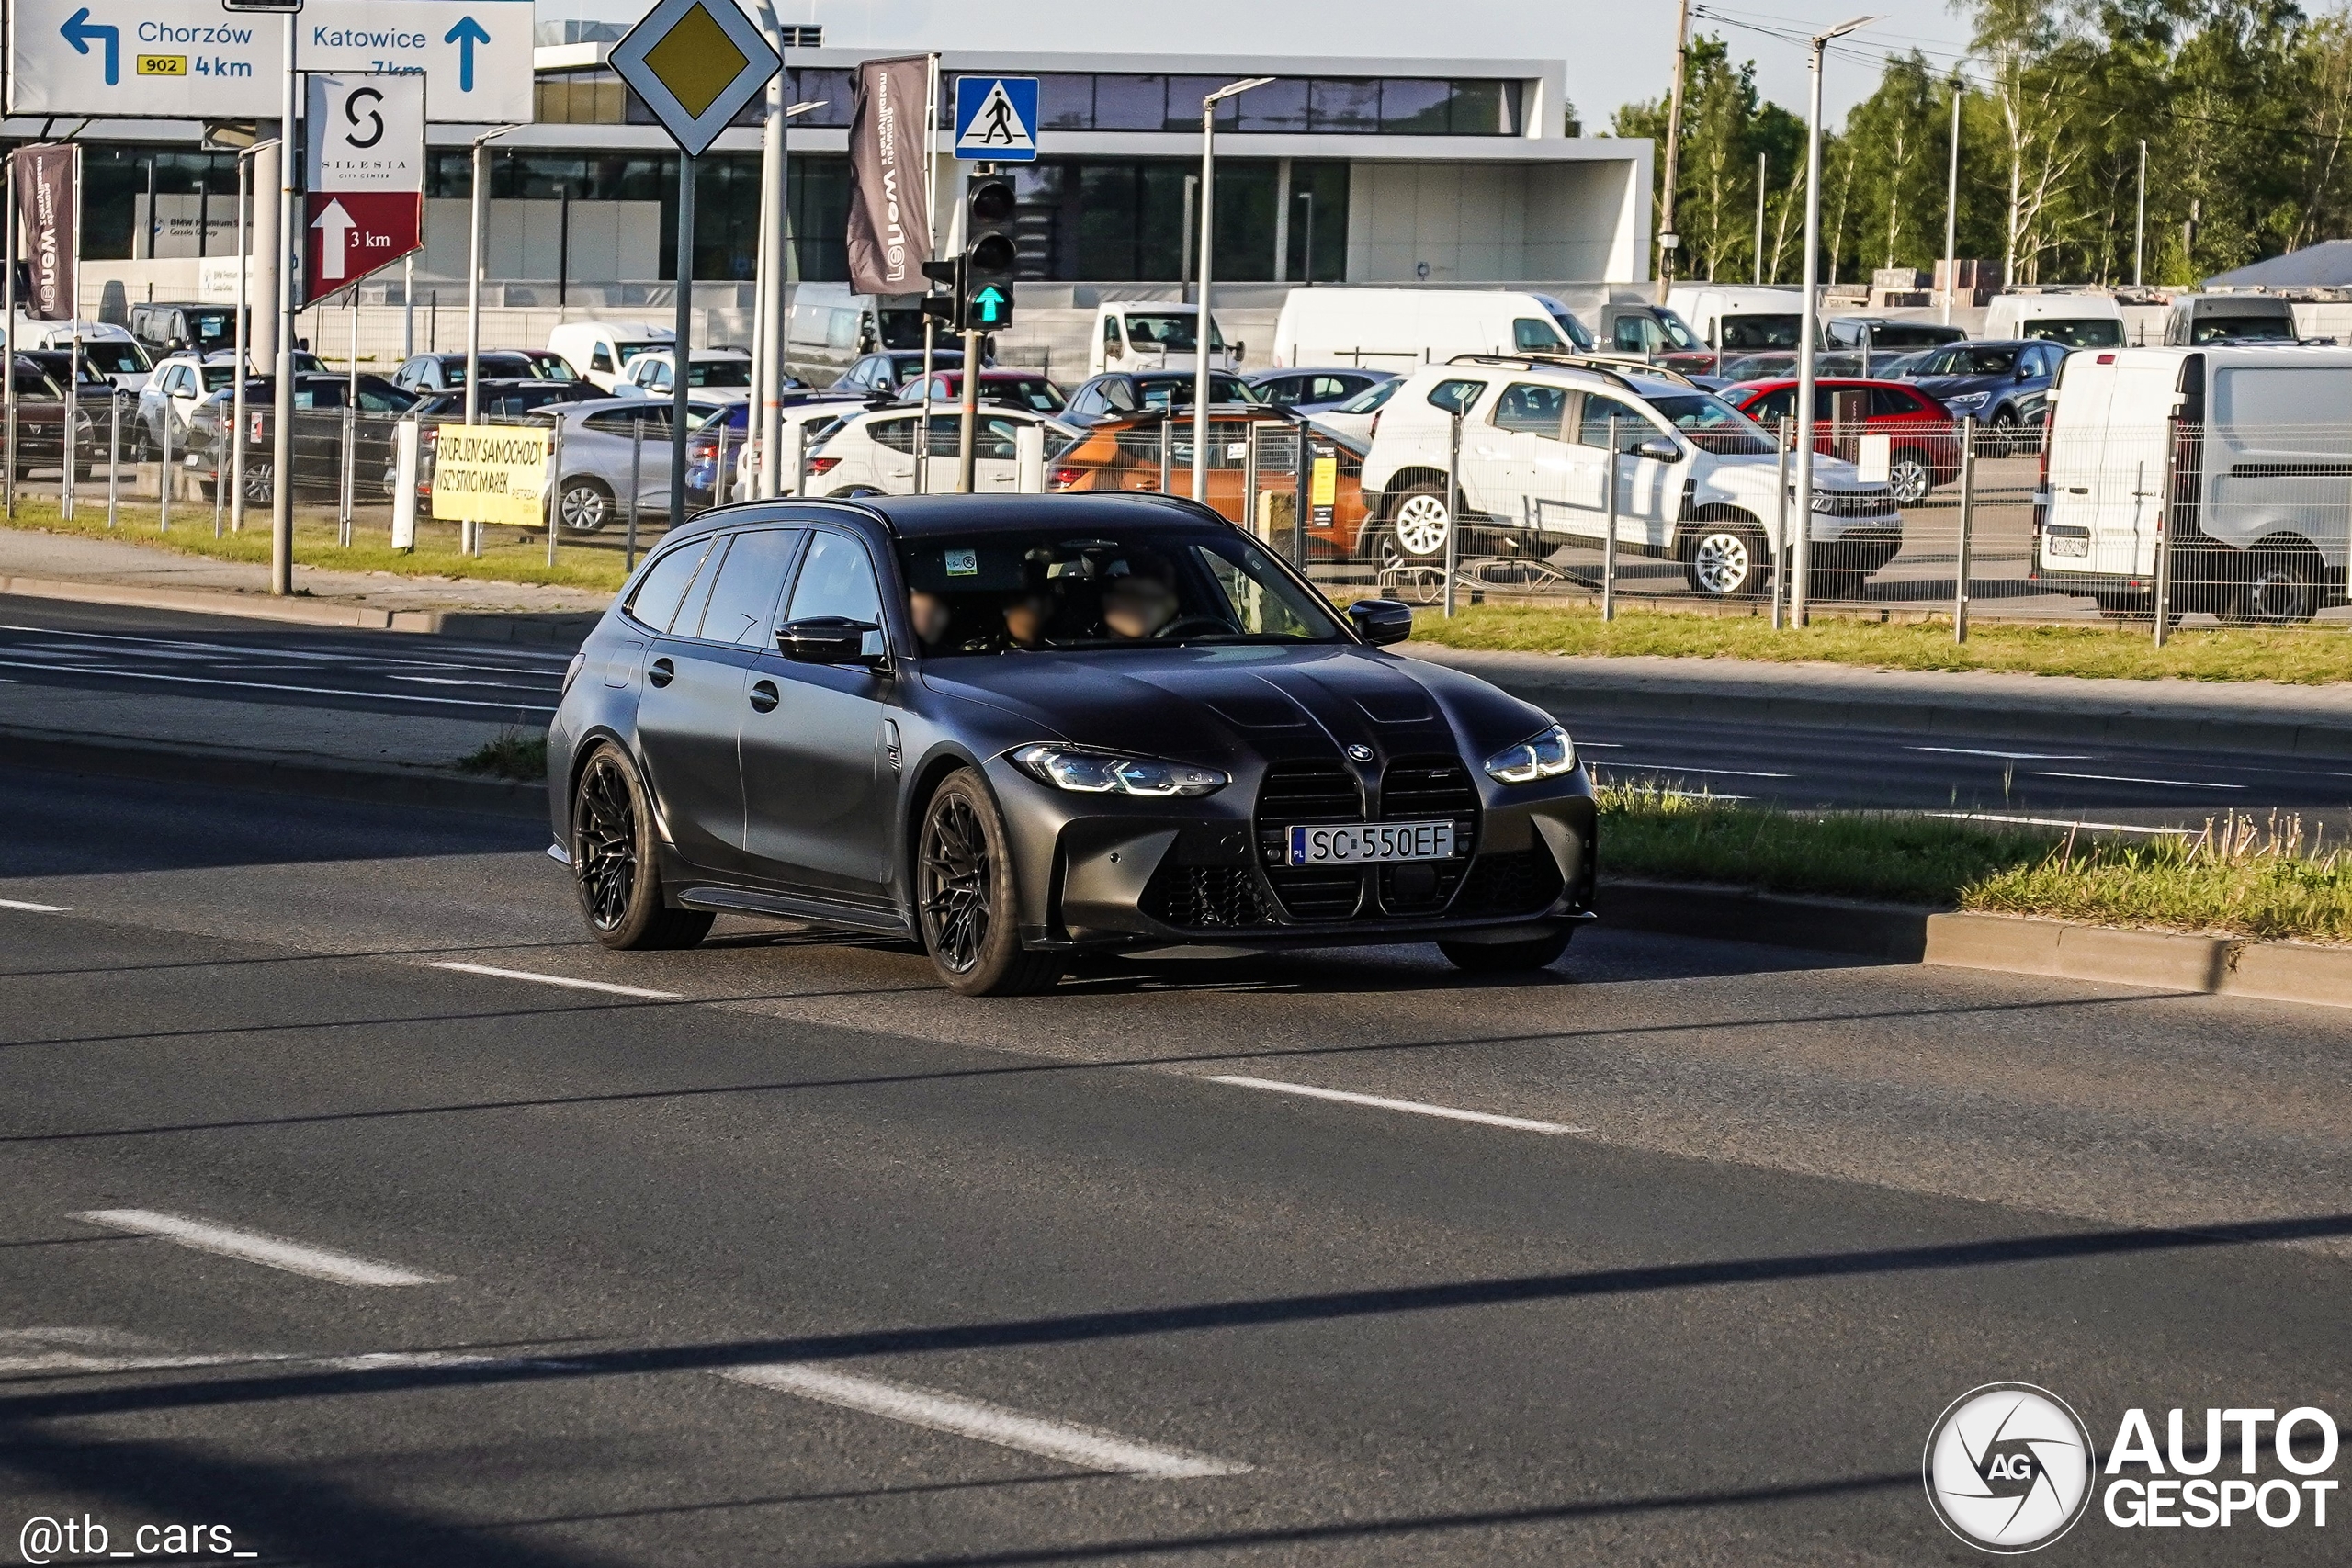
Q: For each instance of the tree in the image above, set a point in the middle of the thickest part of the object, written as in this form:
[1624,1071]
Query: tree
[1725,125]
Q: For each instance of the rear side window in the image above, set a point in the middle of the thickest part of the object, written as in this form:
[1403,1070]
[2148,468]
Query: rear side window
[1779,403]
[665,582]
[742,602]
[1455,397]
[1528,336]
[1886,401]
[898,434]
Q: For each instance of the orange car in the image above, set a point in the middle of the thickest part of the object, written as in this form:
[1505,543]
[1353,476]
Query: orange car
[1125,453]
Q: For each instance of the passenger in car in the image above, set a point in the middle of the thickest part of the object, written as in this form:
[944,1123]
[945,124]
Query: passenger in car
[928,613]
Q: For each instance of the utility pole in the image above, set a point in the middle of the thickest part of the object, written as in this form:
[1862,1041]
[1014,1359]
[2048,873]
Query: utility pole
[1205,326]
[281,471]
[1951,207]
[1668,240]
[2140,219]
[1763,163]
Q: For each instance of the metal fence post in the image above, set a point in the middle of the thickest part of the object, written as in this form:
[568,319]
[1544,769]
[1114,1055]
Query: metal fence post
[1967,515]
[1304,476]
[636,484]
[1453,510]
[721,484]
[114,458]
[555,486]
[1609,538]
[163,484]
[1781,533]
[1167,419]
[2164,540]
[1249,475]
[73,425]
[350,455]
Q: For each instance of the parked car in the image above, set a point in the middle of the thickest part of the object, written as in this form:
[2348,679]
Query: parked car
[1109,397]
[1313,391]
[106,350]
[881,375]
[165,327]
[828,328]
[2253,488]
[873,453]
[172,392]
[40,423]
[2196,319]
[1357,418]
[1696,480]
[1398,329]
[504,401]
[806,420]
[723,375]
[1125,454]
[2003,386]
[1923,447]
[1653,334]
[603,442]
[1156,335]
[442,372]
[2078,318]
[318,446]
[999,389]
[601,351]
[1112,722]
[1875,340]
[1731,319]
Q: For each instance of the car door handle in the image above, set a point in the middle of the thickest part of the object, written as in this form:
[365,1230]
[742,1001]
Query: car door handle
[661,672]
[764,696]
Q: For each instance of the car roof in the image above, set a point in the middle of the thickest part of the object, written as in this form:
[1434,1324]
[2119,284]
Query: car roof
[913,516]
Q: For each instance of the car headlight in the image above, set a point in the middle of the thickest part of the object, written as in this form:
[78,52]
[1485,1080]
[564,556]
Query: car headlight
[1106,772]
[1547,756]
[1967,400]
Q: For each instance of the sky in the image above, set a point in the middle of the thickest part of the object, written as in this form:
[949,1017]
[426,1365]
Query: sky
[1614,51]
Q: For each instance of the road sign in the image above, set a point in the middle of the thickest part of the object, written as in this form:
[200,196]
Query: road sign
[491,473]
[696,64]
[191,60]
[996,118]
[364,201]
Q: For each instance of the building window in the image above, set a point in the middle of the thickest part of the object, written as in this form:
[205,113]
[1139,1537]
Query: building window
[1330,105]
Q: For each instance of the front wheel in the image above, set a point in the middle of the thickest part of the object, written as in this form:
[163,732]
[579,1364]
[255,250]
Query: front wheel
[1910,477]
[2282,588]
[1418,524]
[967,900]
[1507,957]
[613,863]
[1728,560]
[585,504]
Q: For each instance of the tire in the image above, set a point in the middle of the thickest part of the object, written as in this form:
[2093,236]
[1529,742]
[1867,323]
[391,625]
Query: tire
[1507,957]
[1727,559]
[585,504]
[2009,437]
[257,485]
[1417,526]
[1910,477]
[614,867]
[2282,588]
[967,907]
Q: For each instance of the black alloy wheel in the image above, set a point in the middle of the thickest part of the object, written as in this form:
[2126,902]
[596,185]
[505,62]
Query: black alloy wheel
[965,899]
[613,864]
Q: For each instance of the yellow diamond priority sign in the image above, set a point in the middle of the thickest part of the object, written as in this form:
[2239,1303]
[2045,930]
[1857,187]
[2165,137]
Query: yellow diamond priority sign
[696,64]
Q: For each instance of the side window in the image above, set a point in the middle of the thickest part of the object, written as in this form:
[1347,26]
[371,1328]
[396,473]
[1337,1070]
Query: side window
[602,359]
[1592,424]
[1629,337]
[1111,336]
[1120,393]
[837,579]
[1456,397]
[665,585]
[1528,336]
[1531,409]
[1893,400]
[897,435]
[1774,405]
[742,602]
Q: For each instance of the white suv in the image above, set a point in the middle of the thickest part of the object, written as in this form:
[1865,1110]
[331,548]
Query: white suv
[1695,478]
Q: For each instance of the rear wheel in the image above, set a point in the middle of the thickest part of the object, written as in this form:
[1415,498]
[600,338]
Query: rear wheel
[967,900]
[1726,561]
[1910,477]
[1507,957]
[585,504]
[1417,526]
[613,863]
[2282,588]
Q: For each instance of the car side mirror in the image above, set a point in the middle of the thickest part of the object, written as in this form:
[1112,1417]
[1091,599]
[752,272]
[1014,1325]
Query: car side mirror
[1380,621]
[1658,449]
[823,639]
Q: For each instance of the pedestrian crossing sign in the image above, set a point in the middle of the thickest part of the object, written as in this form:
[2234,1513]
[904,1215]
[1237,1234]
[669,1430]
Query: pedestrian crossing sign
[996,118]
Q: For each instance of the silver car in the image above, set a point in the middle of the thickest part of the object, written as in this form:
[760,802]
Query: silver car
[604,442]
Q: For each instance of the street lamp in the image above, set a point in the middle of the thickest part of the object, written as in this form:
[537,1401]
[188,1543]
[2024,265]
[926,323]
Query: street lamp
[1202,327]
[469,543]
[766,431]
[1800,571]
[244,329]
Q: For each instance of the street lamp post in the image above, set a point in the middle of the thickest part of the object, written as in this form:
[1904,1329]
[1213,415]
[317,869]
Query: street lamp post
[1952,206]
[1801,569]
[1202,327]
[281,472]
[245,331]
[480,208]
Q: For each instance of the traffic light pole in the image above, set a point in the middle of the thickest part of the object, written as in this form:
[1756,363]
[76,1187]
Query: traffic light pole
[971,415]
[682,355]
[289,247]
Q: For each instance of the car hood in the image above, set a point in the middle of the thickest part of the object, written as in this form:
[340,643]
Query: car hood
[1219,705]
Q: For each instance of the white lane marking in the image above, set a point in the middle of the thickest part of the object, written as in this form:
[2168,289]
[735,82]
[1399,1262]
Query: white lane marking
[1082,1446]
[557,980]
[2006,756]
[33,908]
[1380,1102]
[371,655]
[256,1247]
[1600,746]
[2050,822]
[264,685]
[445,681]
[1684,768]
[2126,778]
[39,1351]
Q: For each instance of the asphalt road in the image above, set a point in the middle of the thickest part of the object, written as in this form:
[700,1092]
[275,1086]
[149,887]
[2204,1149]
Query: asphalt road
[112,649]
[774,1251]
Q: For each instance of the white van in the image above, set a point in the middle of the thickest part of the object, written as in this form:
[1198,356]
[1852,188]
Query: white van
[2259,476]
[1734,321]
[601,351]
[1402,328]
[106,350]
[1155,334]
[827,329]
[2077,320]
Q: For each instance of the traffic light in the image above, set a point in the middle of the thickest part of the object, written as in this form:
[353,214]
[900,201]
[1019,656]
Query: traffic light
[942,308]
[984,289]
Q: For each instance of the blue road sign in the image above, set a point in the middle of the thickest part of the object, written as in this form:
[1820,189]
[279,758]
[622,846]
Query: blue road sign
[996,118]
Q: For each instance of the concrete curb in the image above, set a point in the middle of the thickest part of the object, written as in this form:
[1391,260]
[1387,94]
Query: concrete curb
[564,627]
[376,784]
[2070,725]
[2013,944]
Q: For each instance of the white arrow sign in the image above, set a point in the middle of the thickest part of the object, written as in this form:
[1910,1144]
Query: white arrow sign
[338,225]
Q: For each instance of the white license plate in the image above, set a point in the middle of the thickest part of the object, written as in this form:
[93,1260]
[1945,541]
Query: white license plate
[1371,844]
[2069,544]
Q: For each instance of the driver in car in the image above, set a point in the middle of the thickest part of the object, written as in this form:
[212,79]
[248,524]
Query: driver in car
[1025,617]
[1137,606]
[928,613]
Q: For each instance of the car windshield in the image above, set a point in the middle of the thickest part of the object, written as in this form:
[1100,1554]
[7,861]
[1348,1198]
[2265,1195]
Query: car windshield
[630,351]
[218,375]
[1370,398]
[1713,424]
[1677,331]
[2093,331]
[1106,590]
[1024,391]
[210,329]
[1171,332]
[111,357]
[549,366]
[2223,329]
[1176,392]
[718,373]
[1974,361]
[1761,332]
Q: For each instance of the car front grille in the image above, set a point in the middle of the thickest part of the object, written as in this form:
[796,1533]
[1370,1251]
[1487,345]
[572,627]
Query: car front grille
[1415,789]
[1207,898]
[1428,789]
[1296,793]
[1852,502]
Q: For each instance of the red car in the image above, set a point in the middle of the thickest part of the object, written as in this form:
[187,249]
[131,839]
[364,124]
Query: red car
[1924,439]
